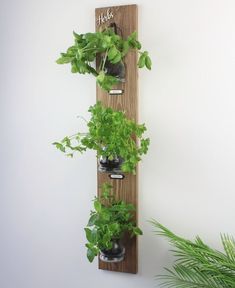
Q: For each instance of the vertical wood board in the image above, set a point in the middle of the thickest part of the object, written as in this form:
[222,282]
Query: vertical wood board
[125,17]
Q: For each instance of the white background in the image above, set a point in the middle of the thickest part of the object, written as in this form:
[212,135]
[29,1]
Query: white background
[187,102]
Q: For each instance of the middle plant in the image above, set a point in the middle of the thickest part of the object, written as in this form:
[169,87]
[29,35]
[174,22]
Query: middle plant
[115,138]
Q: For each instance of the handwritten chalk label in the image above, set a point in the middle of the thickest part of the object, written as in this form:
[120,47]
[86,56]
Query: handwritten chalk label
[104,17]
[116,176]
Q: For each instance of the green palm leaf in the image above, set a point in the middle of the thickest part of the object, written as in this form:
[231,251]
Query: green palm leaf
[229,246]
[197,264]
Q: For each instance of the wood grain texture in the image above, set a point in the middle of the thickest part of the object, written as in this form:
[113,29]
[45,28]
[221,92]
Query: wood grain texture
[125,18]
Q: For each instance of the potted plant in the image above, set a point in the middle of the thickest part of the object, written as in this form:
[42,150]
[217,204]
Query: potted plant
[113,136]
[197,264]
[109,221]
[111,49]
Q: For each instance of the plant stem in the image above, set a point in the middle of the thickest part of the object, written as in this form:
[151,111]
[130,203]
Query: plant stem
[74,135]
[105,57]
[88,49]
[81,117]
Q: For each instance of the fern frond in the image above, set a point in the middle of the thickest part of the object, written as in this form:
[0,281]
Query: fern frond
[229,246]
[197,264]
[182,277]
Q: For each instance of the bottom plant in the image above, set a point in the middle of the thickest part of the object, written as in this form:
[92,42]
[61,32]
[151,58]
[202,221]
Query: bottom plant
[109,221]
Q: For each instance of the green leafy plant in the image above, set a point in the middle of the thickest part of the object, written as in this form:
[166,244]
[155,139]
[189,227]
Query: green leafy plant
[197,264]
[109,46]
[109,220]
[111,134]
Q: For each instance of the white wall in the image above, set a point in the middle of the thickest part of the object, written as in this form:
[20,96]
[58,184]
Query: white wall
[187,103]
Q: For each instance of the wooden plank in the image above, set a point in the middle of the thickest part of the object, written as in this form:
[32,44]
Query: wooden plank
[125,17]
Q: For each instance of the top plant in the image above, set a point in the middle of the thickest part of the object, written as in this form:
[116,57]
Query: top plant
[110,46]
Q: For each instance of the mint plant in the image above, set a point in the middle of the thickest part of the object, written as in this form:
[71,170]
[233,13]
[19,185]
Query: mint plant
[109,220]
[112,135]
[109,46]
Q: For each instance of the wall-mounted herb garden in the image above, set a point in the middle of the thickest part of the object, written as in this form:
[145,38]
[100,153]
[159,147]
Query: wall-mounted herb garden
[112,54]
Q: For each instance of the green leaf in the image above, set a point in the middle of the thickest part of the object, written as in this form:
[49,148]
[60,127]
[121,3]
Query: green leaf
[94,235]
[137,44]
[106,41]
[90,255]
[90,36]
[144,145]
[71,51]
[88,234]
[59,146]
[97,205]
[133,42]
[105,216]
[92,220]
[79,54]
[133,36]
[127,167]
[106,188]
[91,235]
[70,155]
[92,70]
[78,37]
[148,62]
[64,60]
[112,53]
[137,231]
[81,67]
[141,62]
[106,81]
[117,58]
[74,68]
[66,141]
[125,48]
[100,78]
[114,228]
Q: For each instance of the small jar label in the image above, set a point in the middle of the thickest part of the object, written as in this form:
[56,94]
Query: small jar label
[117,176]
[116,92]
